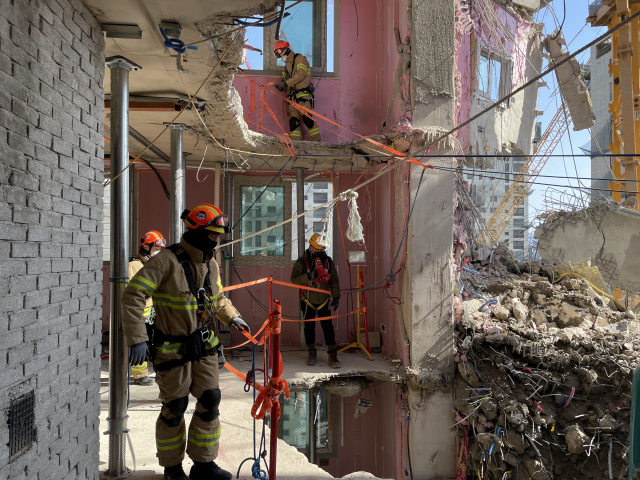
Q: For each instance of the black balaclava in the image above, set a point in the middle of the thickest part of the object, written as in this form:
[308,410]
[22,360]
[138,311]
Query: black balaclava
[199,238]
[321,254]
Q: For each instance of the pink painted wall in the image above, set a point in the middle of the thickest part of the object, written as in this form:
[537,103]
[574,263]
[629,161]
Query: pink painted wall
[369,87]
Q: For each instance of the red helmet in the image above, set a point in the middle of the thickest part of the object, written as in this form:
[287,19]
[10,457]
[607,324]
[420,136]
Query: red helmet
[153,238]
[206,216]
[280,48]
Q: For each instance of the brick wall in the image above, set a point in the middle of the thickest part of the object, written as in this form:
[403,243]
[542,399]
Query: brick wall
[51,160]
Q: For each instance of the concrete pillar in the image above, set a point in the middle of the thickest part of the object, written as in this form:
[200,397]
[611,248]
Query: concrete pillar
[432,342]
[178,183]
[120,238]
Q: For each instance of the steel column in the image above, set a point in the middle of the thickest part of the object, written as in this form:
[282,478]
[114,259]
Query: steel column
[301,240]
[228,209]
[178,180]
[120,237]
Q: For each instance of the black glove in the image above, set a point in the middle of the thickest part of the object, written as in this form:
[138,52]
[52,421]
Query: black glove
[240,324]
[281,86]
[138,353]
[334,303]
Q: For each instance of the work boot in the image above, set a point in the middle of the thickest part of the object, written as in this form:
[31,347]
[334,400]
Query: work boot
[144,381]
[175,473]
[313,356]
[208,471]
[333,360]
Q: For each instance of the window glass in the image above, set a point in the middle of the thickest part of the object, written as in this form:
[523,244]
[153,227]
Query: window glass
[518,234]
[320,213]
[494,70]
[320,186]
[518,245]
[273,199]
[296,30]
[295,420]
[483,74]
[520,212]
[310,202]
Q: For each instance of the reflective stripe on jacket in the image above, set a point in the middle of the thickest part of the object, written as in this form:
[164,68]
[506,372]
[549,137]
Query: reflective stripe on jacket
[299,277]
[134,267]
[163,279]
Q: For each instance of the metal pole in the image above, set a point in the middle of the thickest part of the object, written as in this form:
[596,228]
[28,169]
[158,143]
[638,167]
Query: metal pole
[301,240]
[312,425]
[228,209]
[178,190]
[133,209]
[216,199]
[275,373]
[120,237]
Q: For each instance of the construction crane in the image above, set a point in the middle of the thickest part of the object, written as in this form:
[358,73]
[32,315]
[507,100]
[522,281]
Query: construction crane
[523,182]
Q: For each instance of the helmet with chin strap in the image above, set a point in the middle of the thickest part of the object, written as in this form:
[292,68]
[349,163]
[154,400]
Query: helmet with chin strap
[207,217]
[281,48]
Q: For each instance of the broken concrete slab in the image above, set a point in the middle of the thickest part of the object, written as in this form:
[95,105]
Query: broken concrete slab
[531,5]
[609,234]
[571,80]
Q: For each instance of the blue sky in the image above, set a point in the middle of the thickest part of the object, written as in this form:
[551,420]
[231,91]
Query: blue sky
[579,33]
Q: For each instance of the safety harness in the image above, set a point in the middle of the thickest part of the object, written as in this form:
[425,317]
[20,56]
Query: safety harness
[325,263]
[200,343]
[293,91]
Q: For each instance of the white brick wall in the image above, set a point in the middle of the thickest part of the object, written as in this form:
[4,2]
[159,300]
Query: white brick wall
[51,159]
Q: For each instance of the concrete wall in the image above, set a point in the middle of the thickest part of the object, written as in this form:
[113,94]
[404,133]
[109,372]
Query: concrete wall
[51,114]
[609,235]
[433,63]
[368,93]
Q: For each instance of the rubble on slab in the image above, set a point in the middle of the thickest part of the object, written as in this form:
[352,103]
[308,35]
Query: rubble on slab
[543,384]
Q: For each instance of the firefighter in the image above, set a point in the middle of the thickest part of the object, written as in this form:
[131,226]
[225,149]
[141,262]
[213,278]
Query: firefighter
[297,78]
[184,282]
[150,245]
[316,304]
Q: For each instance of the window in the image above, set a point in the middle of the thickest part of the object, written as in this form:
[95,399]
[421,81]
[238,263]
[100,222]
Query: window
[506,234]
[492,210]
[506,188]
[295,421]
[520,212]
[320,198]
[518,234]
[494,75]
[320,186]
[495,198]
[273,198]
[270,223]
[313,223]
[310,30]
[320,213]
[518,222]
[518,245]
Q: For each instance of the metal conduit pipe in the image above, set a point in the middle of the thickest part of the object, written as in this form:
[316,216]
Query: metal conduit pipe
[120,237]
[216,199]
[228,209]
[301,240]
[178,180]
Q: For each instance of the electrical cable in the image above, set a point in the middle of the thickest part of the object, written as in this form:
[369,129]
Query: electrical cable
[280,17]
[564,17]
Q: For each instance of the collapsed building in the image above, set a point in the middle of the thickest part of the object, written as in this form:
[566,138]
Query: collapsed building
[391,78]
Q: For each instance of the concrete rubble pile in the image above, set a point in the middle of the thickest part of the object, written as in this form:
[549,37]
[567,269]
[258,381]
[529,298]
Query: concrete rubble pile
[543,380]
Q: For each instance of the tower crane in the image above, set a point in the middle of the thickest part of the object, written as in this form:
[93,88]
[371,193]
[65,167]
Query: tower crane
[523,182]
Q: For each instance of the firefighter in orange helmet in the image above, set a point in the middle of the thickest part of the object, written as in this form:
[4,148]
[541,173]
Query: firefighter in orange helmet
[184,282]
[150,244]
[296,77]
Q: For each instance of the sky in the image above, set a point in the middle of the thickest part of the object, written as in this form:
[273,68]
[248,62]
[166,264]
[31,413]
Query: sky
[577,33]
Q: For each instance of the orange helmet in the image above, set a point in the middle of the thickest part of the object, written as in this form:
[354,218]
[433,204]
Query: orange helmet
[281,47]
[206,216]
[153,238]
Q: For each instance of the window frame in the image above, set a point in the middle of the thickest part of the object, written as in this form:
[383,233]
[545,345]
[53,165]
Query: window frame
[263,181]
[505,61]
[269,62]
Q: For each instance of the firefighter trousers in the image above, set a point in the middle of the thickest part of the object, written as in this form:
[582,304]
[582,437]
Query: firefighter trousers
[314,130]
[200,379]
[310,327]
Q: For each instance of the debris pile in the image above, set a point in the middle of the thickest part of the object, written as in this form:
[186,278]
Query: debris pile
[543,384]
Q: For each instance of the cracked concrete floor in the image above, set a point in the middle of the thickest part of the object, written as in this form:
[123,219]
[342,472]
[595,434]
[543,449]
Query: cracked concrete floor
[236,441]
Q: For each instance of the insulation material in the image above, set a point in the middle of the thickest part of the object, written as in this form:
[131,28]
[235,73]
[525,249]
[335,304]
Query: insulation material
[542,388]
[571,81]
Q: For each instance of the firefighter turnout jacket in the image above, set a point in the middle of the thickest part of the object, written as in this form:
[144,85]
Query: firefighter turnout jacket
[136,263]
[163,280]
[297,76]
[299,277]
